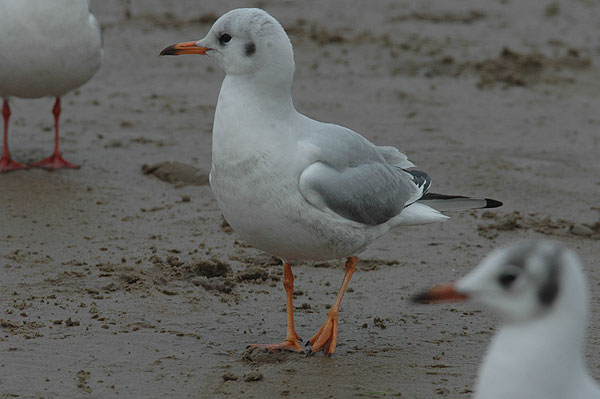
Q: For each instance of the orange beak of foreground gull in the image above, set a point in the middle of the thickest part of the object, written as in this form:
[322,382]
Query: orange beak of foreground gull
[184,48]
[440,293]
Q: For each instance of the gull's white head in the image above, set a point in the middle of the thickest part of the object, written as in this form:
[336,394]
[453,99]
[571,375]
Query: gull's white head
[521,282]
[245,42]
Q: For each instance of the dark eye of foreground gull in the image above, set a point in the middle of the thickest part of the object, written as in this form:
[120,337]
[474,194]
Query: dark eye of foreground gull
[507,279]
[225,38]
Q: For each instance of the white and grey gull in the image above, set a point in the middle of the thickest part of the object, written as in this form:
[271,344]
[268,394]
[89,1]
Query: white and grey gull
[295,187]
[48,49]
[539,291]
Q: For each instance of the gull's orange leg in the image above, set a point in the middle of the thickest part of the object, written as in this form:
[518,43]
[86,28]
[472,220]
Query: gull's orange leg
[326,338]
[292,337]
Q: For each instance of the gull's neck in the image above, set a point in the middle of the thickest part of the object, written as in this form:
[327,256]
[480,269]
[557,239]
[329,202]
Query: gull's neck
[256,94]
[252,117]
[523,355]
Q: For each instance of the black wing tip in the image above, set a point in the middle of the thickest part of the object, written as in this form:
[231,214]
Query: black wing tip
[489,203]
[492,203]
[421,179]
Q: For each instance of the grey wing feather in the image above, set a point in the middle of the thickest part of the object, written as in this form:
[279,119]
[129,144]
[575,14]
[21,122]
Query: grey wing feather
[370,193]
[341,147]
[393,156]
[355,179]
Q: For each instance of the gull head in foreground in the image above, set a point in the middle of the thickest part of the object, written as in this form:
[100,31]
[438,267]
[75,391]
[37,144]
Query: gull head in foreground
[295,187]
[539,292]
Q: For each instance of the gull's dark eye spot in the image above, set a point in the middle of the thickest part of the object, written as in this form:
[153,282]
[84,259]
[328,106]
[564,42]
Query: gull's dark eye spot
[225,38]
[249,49]
[506,279]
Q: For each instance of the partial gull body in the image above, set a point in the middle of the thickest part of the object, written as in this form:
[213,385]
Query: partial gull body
[298,188]
[540,291]
[49,48]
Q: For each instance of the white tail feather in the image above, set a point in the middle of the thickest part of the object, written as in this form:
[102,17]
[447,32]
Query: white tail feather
[416,214]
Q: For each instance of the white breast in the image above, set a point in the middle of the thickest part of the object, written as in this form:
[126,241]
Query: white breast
[256,182]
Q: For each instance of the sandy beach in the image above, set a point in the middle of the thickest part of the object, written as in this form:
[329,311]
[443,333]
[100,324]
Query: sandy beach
[122,279]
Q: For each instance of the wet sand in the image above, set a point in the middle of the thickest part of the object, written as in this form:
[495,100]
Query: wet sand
[118,283]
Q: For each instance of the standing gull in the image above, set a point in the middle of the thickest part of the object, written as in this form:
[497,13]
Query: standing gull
[540,291]
[295,187]
[48,49]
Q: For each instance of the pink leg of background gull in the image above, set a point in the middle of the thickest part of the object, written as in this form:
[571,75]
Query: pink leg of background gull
[56,160]
[6,162]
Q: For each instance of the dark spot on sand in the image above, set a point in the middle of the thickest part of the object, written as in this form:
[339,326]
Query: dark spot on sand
[254,375]
[210,268]
[254,273]
[176,173]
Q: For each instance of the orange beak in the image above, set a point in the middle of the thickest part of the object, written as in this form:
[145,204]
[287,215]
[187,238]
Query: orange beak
[440,293]
[184,48]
